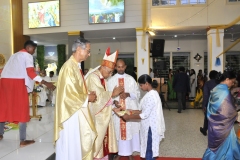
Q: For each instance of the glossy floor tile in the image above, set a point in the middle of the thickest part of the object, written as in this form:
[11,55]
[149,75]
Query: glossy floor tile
[182,136]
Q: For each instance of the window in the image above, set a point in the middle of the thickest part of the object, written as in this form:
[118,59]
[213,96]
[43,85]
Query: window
[205,60]
[177,2]
[163,2]
[233,60]
[162,73]
[180,59]
[187,2]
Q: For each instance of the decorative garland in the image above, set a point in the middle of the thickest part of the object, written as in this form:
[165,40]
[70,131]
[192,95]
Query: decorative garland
[61,49]
[40,56]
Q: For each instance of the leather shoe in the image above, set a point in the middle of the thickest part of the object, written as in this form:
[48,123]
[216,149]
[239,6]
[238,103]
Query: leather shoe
[1,137]
[178,111]
[203,131]
[26,143]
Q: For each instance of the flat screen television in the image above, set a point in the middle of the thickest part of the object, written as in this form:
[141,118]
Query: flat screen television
[44,14]
[106,11]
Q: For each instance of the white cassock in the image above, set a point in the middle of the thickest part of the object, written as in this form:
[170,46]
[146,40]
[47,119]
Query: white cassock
[132,142]
[42,96]
[52,94]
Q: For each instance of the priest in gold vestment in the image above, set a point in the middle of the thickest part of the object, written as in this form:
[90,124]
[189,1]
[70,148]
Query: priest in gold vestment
[74,130]
[101,110]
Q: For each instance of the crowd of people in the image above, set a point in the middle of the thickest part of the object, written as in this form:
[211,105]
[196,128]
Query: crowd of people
[105,111]
[100,116]
[220,104]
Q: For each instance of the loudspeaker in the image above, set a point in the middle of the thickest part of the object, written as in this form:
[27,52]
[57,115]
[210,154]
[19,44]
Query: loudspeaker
[161,65]
[157,48]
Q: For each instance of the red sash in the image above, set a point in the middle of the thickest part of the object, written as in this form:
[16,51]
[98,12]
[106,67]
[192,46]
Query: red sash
[122,122]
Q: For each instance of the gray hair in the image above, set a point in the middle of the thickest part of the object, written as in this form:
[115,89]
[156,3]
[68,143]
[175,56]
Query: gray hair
[80,42]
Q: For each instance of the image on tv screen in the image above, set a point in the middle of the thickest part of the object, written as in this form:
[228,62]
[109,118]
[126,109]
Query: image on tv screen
[43,14]
[106,11]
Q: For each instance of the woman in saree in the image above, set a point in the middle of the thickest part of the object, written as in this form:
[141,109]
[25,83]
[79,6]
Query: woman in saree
[172,93]
[221,114]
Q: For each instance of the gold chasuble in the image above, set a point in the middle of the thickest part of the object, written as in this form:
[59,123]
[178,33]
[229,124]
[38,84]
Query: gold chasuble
[70,97]
[123,107]
[101,110]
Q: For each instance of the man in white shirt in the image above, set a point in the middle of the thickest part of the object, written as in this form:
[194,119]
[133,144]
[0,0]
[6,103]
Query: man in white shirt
[151,73]
[52,94]
[17,81]
[127,132]
[42,96]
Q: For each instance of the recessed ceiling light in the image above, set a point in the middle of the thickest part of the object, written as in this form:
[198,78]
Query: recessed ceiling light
[151,33]
[113,37]
[175,35]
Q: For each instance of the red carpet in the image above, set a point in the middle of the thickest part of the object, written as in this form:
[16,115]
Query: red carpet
[162,158]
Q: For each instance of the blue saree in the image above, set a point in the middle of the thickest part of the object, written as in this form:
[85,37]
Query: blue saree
[221,113]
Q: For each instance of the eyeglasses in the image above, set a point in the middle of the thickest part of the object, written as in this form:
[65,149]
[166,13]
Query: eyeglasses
[109,72]
[88,50]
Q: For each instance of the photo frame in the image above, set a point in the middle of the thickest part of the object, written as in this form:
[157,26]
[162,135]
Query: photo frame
[44,14]
[106,11]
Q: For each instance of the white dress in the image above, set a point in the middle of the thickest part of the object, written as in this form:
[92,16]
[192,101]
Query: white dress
[42,96]
[193,86]
[151,116]
[132,142]
[52,94]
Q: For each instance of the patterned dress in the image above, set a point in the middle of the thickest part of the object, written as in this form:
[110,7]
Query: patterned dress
[151,117]
[221,113]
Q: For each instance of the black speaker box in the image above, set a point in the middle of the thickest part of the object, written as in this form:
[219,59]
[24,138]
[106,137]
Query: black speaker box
[157,48]
[161,65]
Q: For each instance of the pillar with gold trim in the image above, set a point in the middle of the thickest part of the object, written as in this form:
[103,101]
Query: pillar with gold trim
[142,49]
[215,47]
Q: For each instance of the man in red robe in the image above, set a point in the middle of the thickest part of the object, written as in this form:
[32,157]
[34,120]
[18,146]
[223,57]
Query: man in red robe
[17,80]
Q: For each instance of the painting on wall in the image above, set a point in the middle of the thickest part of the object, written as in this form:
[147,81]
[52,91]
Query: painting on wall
[43,14]
[50,59]
[106,11]
[51,55]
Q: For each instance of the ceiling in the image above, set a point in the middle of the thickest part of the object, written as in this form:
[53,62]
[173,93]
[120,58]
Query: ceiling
[125,35]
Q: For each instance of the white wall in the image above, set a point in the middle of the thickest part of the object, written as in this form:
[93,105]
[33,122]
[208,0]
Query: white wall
[5,29]
[217,13]
[74,17]
[95,59]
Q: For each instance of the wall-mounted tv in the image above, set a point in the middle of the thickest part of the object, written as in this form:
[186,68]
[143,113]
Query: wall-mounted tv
[43,14]
[106,11]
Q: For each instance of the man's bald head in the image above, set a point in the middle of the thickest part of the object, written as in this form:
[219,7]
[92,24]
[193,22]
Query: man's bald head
[121,61]
[120,66]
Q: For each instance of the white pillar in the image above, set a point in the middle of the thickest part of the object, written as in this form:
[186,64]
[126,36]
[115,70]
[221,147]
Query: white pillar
[214,50]
[143,62]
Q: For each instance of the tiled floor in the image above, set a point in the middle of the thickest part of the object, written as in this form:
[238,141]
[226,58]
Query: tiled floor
[182,136]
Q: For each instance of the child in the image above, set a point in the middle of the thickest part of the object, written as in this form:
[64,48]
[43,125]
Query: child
[152,126]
